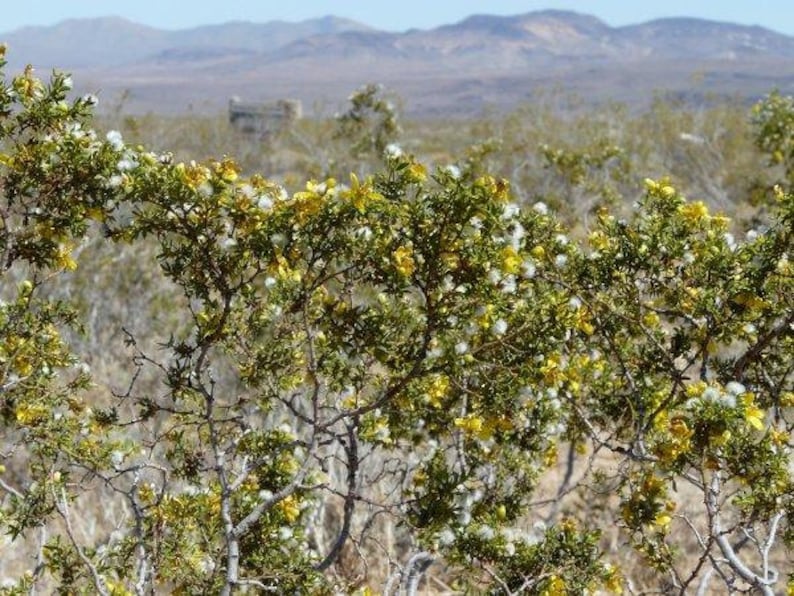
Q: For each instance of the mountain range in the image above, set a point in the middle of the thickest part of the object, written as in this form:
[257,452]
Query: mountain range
[481,62]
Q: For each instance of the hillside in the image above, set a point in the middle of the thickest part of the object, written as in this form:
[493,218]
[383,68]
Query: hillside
[454,69]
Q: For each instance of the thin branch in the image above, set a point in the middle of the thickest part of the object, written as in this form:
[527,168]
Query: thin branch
[767,546]
[751,355]
[62,507]
[762,583]
[417,565]
[10,489]
[353,462]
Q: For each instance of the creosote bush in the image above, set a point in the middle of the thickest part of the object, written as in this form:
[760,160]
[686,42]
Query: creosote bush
[409,350]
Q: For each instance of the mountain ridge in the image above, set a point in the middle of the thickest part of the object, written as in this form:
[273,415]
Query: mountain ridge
[478,61]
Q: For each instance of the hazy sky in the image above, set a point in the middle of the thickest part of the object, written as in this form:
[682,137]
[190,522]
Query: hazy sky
[385,14]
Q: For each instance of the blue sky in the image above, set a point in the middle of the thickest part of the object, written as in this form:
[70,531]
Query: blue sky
[390,15]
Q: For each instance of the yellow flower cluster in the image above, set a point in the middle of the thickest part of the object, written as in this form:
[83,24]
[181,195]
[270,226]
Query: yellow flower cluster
[438,388]
[483,429]
[31,414]
[676,442]
[553,375]
[555,587]
[469,424]
[582,321]
[664,517]
[281,269]
[661,188]
[361,196]
[64,259]
[309,202]
[752,413]
[227,170]
[598,240]
[290,508]
[499,190]
[511,261]
[404,261]
[613,581]
[694,212]
[193,175]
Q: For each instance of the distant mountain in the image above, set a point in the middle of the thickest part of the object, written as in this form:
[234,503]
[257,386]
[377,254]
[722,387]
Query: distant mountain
[114,41]
[453,69]
[79,43]
[702,39]
[554,31]
[261,38]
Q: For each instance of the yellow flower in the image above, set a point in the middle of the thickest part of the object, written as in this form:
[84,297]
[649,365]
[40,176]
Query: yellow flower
[752,413]
[498,189]
[360,195]
[227,170]
[662,520]
[599,240]
[30,415]
[439,387]
[307,203]
[417,172]
[117,588]
[679,429]
[582,321]
[64,259]
[667,191]
[511,262]
[555,587]
[694,212]
[351,401]
[651,319]
[485,316]
[27,84]
[722,439]
[470,424]
[500,423]
[290,508]
[695,389]
[550,455]
[750,300]
[450,260]
[613,581]
[677,443]
[551,372]
[720,222]
[778,437]
[404,261]
[193,175]
[282,270]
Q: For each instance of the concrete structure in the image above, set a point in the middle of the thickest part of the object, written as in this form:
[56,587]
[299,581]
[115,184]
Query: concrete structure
[266,118]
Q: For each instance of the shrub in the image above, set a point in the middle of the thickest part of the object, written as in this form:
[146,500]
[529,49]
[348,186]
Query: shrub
[407,351]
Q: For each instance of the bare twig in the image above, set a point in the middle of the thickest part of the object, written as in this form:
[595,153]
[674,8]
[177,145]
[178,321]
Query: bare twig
[62,507]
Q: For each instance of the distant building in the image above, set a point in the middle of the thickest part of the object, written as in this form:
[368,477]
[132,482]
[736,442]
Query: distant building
[265,118]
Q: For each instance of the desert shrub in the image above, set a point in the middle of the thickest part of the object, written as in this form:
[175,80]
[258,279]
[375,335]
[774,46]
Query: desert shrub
[358,383]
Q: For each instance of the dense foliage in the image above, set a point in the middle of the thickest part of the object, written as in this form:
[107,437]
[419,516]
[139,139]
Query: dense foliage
[367,385]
